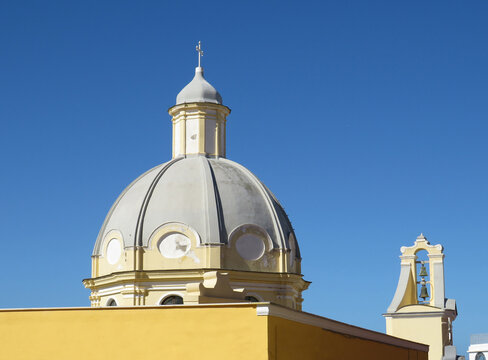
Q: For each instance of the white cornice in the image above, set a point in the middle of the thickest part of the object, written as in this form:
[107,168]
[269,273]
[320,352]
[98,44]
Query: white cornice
[418,314]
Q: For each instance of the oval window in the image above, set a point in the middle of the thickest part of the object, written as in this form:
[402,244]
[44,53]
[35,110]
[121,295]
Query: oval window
[114,250]
[174,246]
[250,247]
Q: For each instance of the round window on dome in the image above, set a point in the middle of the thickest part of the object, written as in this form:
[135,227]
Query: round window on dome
[250,246]
[174,245]
[114,250]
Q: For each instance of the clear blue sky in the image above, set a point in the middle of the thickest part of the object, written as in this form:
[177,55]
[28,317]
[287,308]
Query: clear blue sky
[367,119]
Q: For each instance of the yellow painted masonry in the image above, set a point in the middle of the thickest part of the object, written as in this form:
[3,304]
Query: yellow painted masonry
[144,277]
[426,324]
[218,331]
[318,343]
[133,333]
[150,287]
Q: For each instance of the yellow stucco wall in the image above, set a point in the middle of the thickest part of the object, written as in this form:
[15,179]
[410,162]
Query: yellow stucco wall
[137,333]
[226,331]
[430,330]
[290,340]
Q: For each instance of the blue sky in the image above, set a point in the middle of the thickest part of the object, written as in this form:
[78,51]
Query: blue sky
[367,119]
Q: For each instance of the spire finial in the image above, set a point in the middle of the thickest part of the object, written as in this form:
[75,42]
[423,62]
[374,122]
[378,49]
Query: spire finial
[200,51]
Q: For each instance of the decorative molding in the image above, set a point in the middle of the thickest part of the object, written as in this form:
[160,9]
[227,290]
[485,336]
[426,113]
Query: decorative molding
[417,314]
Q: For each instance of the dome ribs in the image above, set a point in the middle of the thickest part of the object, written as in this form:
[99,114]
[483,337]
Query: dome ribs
[103,229]
[279,240]
[140,220]
[214,215]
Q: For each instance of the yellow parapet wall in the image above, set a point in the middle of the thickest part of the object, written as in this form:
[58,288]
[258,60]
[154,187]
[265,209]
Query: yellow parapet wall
[290,340]
[216,331]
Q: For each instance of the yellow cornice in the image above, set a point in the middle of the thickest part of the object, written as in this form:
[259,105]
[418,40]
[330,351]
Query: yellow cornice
[190,274]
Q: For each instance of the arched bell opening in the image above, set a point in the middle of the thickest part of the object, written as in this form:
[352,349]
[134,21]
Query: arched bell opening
[422,270]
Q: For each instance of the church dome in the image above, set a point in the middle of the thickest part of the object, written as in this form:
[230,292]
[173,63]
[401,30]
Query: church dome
[199,228]
[198,90]
[215,197]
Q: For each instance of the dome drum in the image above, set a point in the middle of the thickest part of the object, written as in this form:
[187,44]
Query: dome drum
[178,246]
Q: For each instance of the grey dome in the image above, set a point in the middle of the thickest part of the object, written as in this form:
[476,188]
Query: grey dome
[198,90]
[213,196]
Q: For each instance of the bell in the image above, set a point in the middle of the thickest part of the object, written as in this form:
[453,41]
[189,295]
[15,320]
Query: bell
[423,271]
[423,292]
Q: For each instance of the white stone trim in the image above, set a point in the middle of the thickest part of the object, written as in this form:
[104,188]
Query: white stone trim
[172,227]
[476,348]
[262,310]
[401,287]
[263,287]
[170,285]
[88,308]
[418,314]
[167,288]
[110,290]
[268,242]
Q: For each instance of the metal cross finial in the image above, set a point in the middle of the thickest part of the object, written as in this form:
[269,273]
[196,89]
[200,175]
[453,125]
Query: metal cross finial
[200,52]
